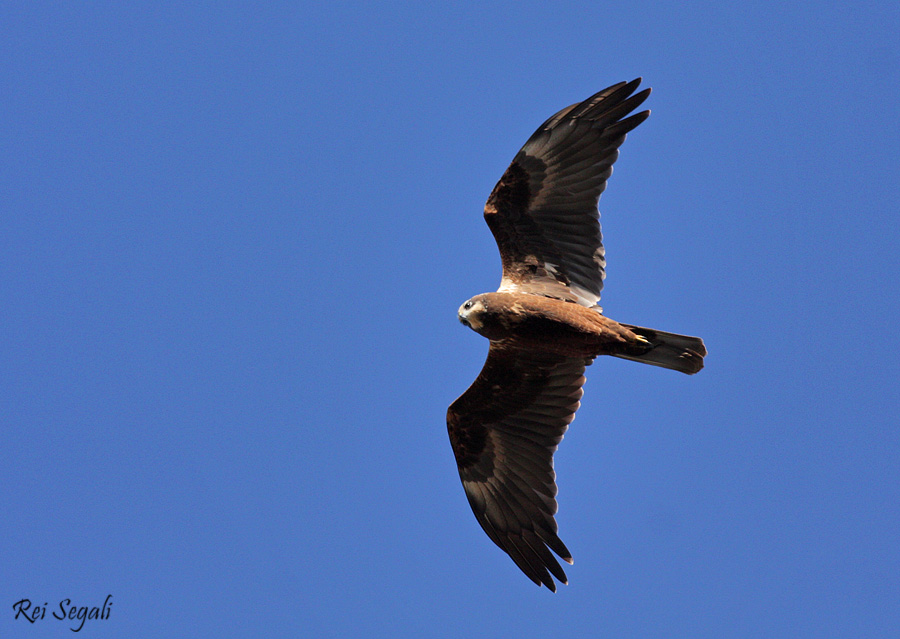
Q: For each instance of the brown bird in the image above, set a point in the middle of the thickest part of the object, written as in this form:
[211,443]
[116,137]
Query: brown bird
[545,327]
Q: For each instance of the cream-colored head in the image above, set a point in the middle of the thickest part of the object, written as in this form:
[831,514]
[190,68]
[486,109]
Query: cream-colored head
[470,313]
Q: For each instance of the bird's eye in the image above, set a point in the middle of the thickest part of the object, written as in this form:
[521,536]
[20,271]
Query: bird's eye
[467,305]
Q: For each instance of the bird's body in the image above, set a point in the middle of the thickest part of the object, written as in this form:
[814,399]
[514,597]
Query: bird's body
[545,327]
[542,323]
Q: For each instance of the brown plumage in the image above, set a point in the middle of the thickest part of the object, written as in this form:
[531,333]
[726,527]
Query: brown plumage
[544,327]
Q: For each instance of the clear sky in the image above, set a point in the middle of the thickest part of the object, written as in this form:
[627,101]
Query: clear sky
[233,239]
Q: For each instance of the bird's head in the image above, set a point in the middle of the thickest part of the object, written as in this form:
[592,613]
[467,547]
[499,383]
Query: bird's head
[471,313]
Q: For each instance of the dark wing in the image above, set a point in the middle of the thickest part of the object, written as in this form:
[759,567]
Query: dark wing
[543,211]
[504,430]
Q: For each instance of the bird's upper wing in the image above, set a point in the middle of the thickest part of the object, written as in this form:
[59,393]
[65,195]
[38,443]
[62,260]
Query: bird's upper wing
[504,430]
[543,211]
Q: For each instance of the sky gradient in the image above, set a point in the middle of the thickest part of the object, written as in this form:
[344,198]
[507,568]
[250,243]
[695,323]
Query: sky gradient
[233,239]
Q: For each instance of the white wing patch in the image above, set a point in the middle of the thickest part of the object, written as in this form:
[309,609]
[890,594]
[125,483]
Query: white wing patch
[553,289]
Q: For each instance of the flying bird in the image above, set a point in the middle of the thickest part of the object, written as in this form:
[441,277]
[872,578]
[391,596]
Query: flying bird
[545,327]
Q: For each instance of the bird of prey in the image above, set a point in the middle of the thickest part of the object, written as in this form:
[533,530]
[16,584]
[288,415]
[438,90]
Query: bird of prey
[545,327]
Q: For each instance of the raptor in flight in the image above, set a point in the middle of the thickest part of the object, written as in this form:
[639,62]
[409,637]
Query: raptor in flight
[545,327]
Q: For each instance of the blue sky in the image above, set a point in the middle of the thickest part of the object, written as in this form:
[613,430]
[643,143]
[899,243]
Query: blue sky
[233,240]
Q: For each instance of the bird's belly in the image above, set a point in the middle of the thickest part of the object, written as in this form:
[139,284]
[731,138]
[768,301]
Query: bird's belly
[560,336]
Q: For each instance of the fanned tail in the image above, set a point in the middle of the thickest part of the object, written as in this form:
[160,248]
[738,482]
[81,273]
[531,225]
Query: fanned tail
[669,350]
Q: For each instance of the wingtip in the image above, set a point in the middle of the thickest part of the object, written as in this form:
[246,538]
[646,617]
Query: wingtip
[646,91]
[637,82]
[629,87]
[551,585]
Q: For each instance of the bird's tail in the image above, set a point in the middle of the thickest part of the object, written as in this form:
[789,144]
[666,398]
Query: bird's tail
[678,352]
